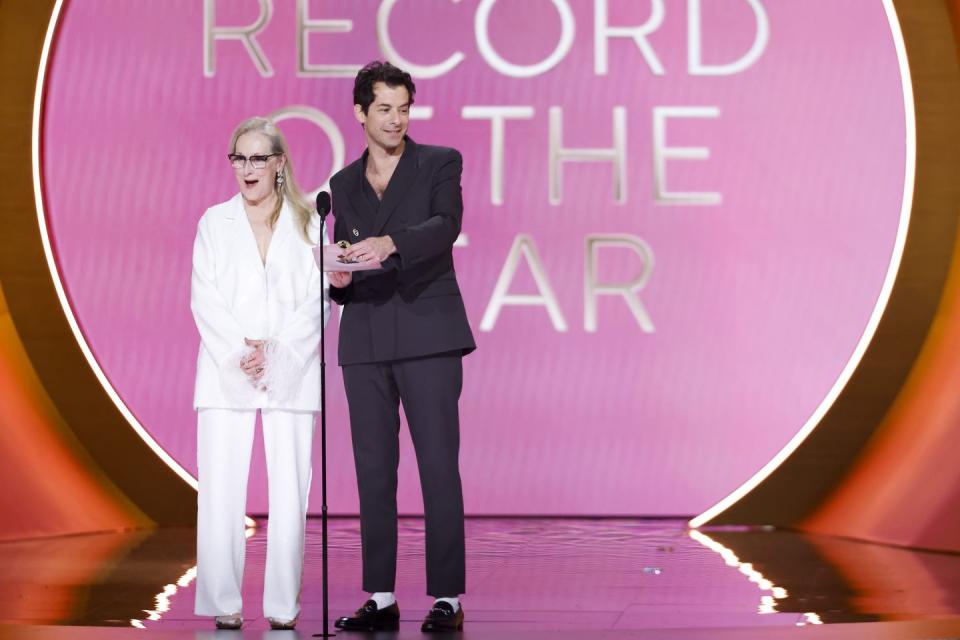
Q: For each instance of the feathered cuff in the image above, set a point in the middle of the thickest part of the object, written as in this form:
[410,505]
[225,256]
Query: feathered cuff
[282,374]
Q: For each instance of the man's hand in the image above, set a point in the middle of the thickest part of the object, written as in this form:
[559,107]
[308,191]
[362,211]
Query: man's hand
[340,279]
[254,363]
[377,249]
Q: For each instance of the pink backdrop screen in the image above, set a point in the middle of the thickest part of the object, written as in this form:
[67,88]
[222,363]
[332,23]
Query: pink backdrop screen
[674,234]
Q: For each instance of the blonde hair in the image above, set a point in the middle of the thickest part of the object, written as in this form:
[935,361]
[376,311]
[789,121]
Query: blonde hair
[289,191]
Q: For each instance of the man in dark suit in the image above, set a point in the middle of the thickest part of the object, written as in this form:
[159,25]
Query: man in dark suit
[403,334]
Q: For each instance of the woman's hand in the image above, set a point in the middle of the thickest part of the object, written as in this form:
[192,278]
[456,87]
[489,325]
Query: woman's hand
[253,364]
[340,279]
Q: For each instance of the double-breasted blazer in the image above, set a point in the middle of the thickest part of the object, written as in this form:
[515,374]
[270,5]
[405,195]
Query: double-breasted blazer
[234,295]
[412,307]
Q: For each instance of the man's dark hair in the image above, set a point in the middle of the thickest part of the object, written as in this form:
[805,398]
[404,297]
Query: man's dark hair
[375,72]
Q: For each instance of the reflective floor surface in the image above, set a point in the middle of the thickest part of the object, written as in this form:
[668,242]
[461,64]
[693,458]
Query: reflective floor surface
[527,578]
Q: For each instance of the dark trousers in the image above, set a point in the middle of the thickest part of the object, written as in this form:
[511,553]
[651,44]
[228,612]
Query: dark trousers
[429,389]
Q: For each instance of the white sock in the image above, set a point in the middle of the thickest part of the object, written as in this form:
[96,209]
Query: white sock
[453,602]
[383,599]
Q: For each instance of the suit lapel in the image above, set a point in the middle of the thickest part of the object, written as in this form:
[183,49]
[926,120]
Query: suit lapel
[281,235]
[245,243]
[403,177]
[354,183]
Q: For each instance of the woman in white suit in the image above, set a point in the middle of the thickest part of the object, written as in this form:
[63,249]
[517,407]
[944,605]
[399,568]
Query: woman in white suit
[258,299]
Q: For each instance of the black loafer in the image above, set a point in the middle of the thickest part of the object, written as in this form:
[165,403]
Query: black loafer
[443,618]
[369,618]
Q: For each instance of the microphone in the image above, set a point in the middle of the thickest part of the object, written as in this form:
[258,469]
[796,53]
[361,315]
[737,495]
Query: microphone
[323,204]
[323,208]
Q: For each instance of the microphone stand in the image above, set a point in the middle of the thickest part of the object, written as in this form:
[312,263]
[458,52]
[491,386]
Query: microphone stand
[323,440]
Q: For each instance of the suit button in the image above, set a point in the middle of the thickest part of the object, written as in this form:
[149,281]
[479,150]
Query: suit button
[356,234]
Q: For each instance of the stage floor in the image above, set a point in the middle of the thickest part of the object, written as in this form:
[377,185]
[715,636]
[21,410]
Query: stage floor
[526,578]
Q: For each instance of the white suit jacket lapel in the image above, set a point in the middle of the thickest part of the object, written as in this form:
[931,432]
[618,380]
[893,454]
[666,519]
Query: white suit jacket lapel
[245,242]
[281,235]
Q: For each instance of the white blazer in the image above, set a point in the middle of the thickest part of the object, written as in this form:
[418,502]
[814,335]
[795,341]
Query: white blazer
[234,296]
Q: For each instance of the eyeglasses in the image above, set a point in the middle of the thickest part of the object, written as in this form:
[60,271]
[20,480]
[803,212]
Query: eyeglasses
[238,161]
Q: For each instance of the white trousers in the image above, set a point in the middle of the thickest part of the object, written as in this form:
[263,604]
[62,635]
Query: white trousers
[224,445]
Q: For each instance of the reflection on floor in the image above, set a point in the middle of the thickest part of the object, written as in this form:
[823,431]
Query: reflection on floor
[526,578]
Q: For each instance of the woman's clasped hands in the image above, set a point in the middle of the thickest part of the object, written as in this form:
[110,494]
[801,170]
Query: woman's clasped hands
[254,363]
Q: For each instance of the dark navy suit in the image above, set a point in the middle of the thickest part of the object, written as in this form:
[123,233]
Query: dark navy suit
[403,334]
